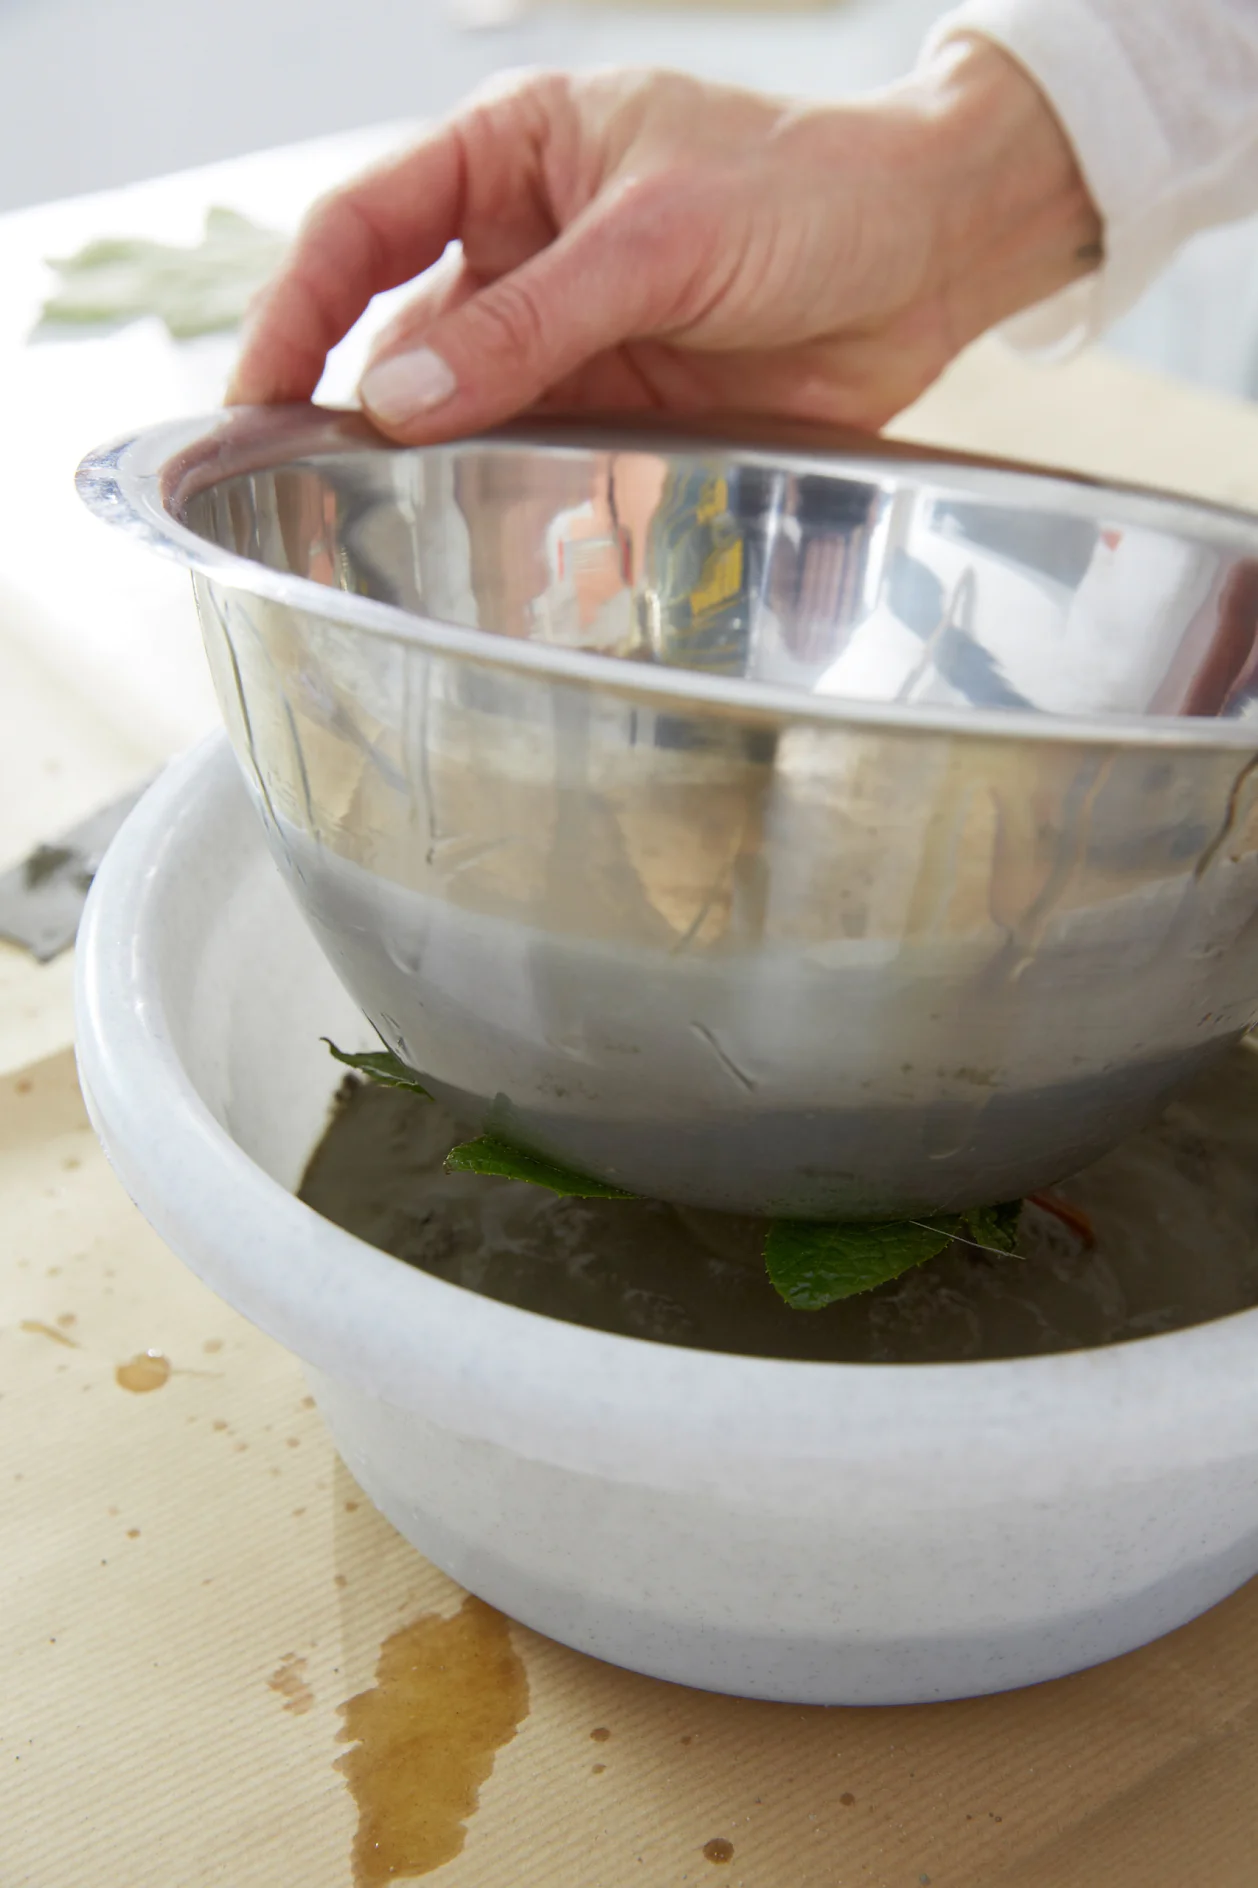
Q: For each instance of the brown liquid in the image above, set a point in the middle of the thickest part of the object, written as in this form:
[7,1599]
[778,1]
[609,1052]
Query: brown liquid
[290,1682]
[719,1850]
[147,1370]
[448,1694]
[37,1329]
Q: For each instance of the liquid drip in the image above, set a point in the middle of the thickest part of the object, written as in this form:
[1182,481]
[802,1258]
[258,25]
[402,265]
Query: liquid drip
[290,1682]
[449,1693]
[719,1850]
[147,1370]
[37,1329]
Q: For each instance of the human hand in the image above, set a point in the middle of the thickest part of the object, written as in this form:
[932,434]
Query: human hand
[628,240]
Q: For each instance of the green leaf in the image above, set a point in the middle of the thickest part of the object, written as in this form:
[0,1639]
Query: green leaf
[813,1264]
[381,1066]
[995,1227]
[810,1263]
[492,1156]
[203,288]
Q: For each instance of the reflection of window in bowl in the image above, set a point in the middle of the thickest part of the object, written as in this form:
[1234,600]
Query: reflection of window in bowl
[816,571]
[507,517]
[592,552]
[306,511]
[1133,575]
[828,586]
[589,601]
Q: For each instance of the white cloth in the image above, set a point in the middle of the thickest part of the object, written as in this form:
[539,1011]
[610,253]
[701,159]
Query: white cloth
[1160,100]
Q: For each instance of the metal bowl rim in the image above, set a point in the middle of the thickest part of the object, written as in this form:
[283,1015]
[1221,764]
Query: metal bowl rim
[136,483]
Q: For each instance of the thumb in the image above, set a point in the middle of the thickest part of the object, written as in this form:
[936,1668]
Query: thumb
[498,352]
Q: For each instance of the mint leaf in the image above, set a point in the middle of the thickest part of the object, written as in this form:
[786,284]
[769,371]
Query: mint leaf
[490,1155]
[995,1226]
[810,1263]
[203,288]
[382,1066]
[814,1263]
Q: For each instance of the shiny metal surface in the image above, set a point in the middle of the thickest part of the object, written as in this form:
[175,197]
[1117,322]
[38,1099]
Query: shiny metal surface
[795,825]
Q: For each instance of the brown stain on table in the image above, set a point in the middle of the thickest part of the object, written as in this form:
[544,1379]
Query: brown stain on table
[38,1329]
[289,1680]
[147,1370]
[449,1693]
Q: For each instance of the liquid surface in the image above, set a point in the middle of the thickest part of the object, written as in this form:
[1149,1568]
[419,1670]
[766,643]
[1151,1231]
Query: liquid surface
[1173,1214]
[448,1694]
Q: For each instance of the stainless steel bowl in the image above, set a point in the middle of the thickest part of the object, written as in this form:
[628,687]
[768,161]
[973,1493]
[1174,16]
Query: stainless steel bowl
[784,825]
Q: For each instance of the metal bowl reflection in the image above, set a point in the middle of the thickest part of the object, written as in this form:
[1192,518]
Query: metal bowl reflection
[789,825]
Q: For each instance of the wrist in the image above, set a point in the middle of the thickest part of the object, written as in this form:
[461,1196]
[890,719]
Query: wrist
[1013,220]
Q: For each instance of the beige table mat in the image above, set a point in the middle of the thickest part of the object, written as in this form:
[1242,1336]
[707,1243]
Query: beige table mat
[193,1586]
[1095,414]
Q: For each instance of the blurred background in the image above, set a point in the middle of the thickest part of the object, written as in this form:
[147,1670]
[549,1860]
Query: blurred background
[105,94]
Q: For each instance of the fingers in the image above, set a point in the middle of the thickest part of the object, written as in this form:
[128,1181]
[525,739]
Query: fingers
[376,233]
[446,286]
[475,178]
[598,285]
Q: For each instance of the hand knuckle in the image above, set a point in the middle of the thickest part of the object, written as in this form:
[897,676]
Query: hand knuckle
[325,217]
[332,226]
[512,321]
[653,203]
[513,88]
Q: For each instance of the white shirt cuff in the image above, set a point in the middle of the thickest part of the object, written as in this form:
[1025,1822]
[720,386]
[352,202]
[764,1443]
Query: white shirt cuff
[1119,143]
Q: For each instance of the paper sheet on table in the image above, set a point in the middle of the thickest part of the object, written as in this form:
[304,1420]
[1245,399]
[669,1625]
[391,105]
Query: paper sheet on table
[194,1585]
[191,1583]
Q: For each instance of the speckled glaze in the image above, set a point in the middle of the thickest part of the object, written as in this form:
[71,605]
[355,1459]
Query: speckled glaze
[815,1533]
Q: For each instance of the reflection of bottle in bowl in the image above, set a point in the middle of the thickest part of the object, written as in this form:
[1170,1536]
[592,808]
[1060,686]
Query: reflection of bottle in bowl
[698,572]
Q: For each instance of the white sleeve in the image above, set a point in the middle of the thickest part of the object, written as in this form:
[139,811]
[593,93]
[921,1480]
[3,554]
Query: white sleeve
[1160,100]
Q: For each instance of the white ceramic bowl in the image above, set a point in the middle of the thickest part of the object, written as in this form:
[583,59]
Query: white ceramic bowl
[808,1532]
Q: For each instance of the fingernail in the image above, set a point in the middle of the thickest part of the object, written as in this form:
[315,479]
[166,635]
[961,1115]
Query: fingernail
[400,389]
